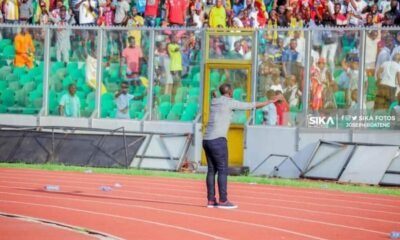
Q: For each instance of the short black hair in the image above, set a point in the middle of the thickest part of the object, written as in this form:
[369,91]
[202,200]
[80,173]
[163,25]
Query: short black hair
[130,38]
[124,83]
[225,88]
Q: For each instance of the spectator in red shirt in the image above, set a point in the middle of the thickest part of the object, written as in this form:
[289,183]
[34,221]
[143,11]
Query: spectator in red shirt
[282,107]
[151,12]
[176,12]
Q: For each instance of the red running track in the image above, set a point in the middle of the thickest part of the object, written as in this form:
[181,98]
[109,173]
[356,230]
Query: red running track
[15,228]
[166,208]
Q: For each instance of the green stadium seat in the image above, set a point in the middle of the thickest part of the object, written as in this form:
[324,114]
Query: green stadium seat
[53,102]
[138,115]
[4,72]
[391,107]
[194,91]
[157,90]
[187,116]
[136,106]
[34,95]
[194,70]
[19,71]
[259,117]
[3,84]
[372,89]
[192,108]
[3,63]
[239,117]
[164,110]
[112,113]
[29,86]
[176,112]
[35,72]
[90,97]
[195,81]
[38,78]
[139,90]
[30,111]
[3,108]
[12,77]
[25,79]
[238,94]
[37,102]
[9,52]
[72,67]
[14,85]
[7,97]
[5,42]
[192,99]
[90,106]
[62,73]
[179,98]
[164,98]
[21,97]
[190,112]
[340,99]
[112,87]
[214,79]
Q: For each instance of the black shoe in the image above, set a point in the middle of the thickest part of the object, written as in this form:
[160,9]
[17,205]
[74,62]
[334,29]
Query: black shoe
[227,205]
[212,204]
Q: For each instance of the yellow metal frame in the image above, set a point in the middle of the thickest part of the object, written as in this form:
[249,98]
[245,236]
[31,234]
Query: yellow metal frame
[228,33]
[206,92]
[235,130]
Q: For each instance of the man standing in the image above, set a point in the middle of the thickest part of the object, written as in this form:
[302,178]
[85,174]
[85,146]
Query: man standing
[389,79]
[24,49]
[132,55]
[290,59]
[175,56]
[218,16]
[122,100]
[63,35]
[215,143]
[70,104]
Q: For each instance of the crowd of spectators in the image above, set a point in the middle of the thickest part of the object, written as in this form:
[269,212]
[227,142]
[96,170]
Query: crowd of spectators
[203,13]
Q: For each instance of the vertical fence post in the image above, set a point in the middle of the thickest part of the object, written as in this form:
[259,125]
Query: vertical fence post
[46,71]
[150,72]
[307,65]
[361,74]
[254,72]
[99,71]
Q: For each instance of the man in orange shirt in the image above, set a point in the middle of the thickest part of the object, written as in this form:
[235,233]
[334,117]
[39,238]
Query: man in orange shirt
[24,49]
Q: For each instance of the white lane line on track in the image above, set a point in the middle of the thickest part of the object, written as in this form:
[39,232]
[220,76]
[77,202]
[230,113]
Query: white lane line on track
[257,213]
[120,217]
[245,203]
[162,180]
[330,206]
[395,207]
[245,190]
[60,225]
[314,221]
[160,210]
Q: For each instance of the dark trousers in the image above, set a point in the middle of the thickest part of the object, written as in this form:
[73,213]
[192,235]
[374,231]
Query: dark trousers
[217,161]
